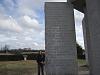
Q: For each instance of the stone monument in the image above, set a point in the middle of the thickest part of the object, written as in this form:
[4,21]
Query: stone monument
[60,36]
[61,53]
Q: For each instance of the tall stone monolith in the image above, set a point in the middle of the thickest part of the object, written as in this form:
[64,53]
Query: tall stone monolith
[93,16]
[61,53]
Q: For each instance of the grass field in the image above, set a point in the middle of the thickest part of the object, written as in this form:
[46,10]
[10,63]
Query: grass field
[24,67]
[81,62]
[18,67]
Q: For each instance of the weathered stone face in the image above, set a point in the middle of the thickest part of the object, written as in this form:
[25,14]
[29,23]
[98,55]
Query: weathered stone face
[86,36]
[93,16]
[61,57]
[71,0]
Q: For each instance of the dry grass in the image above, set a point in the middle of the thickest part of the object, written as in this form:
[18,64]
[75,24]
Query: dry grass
[25,67]
[18,67]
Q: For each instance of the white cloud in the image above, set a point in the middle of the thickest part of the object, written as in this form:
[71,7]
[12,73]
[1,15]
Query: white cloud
[28,39]
[26,20]
[29,22]
[42,33]
[27,11]
[27,7]
[36,44]
[9,24]
[3,38]
[13,38]
[32,22]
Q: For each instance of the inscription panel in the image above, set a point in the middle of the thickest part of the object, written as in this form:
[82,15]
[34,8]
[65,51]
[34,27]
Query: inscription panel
[60,39]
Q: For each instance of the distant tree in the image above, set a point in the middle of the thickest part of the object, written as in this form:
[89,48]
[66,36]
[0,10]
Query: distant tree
[1,49]
[80,52]
[6,48]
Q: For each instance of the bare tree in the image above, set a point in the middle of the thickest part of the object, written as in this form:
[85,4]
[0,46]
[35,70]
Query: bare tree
[6,48]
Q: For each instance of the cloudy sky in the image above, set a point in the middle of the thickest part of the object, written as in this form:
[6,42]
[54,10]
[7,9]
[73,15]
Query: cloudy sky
[22,24]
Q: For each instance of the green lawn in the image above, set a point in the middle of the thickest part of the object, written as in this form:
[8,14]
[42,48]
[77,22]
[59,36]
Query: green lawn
[81,62]
[18,67]
[24,67]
